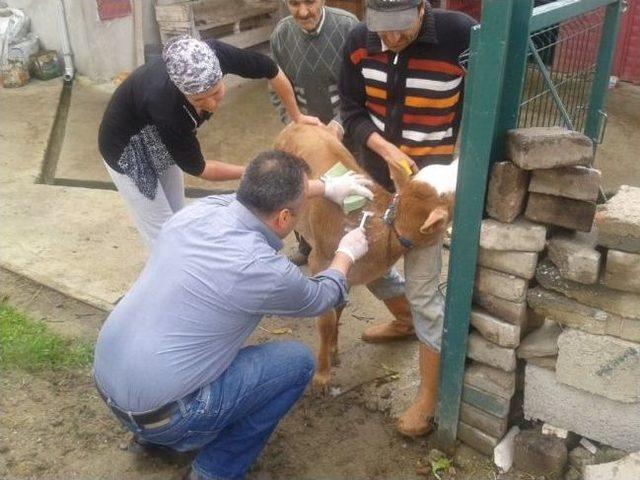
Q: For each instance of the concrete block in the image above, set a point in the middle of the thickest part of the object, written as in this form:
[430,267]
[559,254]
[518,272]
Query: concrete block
[494,405]
[507,191]
[542,342]
[521,235]
[489,424]
[626,468]
[620,303]
[494,329]
[548,147]
[573,314]
[501,285]
[484,351]
[512,312]
[599,364]
[560,211]
[539,454]
[520,264]
[579,183]
[580,457]
[544,362]
[622,271]
[599,418]
[477,439]
[492,380]
[618,220]
[575,257]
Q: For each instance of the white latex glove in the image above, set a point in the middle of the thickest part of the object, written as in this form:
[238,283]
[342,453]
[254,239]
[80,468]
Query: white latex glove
[337,189]
[354,244]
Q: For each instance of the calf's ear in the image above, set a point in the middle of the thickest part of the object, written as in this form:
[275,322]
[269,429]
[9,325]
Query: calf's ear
[436,220]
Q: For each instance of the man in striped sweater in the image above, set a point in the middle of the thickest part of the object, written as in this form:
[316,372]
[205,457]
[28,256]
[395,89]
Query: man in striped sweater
[401,100]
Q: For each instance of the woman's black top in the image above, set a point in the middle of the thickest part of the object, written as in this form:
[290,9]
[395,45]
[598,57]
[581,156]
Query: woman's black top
[149,125]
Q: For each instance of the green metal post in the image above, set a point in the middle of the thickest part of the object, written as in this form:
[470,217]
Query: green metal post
[482,99]
[603,68]
[515,67]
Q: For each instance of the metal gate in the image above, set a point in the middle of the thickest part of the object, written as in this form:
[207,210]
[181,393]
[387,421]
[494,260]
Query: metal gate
[518,75]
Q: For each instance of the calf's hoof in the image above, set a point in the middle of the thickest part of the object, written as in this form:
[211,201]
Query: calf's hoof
[320,382]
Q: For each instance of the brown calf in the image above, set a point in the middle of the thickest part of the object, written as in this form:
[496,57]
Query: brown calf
[421,216]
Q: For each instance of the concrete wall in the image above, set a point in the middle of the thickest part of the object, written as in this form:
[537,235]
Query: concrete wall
[101,48]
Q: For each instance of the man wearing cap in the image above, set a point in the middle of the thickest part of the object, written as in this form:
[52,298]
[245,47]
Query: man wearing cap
[401,93]
[148,138]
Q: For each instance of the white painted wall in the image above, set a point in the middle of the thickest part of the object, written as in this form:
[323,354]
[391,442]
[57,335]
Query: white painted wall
[101,49]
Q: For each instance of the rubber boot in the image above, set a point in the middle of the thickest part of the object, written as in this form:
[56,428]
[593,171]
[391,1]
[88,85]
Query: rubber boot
[416,420]
[398,329]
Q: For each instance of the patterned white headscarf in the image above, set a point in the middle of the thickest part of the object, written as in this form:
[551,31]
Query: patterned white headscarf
[192,65]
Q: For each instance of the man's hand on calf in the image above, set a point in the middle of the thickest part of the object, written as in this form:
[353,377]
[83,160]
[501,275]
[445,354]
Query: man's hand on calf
[337,189]
[354,244]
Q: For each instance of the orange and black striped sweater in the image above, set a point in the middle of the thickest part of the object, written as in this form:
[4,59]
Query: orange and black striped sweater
[412,98]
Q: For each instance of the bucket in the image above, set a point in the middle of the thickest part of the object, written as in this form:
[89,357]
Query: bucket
[45,65]
[15,74]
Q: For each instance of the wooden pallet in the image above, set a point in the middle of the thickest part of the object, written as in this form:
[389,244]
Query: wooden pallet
[242,23]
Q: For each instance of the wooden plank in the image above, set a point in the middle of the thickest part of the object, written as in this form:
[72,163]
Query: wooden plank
[138,32]
[249,38]
[173,13]
[236,13]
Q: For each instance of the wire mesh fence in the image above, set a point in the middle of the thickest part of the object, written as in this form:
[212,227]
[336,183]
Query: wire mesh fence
[561,63]
[560,69]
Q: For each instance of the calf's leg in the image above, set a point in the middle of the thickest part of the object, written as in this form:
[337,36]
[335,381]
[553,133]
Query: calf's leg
[327,325]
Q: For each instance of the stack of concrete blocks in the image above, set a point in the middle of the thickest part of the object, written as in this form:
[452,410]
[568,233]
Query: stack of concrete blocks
[583,362]
[547,277]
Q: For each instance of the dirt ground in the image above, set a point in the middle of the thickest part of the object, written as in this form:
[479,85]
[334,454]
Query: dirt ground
[54,425]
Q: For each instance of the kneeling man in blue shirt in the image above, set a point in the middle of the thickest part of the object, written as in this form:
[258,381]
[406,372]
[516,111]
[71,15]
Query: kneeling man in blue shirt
[169,360]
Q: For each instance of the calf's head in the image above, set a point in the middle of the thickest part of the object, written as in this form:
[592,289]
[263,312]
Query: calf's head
[425,203]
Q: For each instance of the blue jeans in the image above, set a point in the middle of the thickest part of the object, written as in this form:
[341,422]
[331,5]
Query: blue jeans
[230,420]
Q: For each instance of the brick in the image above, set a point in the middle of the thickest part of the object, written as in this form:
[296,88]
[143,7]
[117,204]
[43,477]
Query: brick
[542,342]
[492,380]
[484,351]
[548,147]
[494,329]
[521,235]
[599,364]
[512,312]
[507,191]
[477,439]
[570,313]
[620,303]
[485,422]
[575,257]
[501,285]
[595,417]
[618,220]
[538,454]
[520,264]
[544,362]
[494,405]
[560,211]
[622,271]
[579,183]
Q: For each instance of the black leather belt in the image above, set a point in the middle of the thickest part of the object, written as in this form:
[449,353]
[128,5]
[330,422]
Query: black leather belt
[153,419]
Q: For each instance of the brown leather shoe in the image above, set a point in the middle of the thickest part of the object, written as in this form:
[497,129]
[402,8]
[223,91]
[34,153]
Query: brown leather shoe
[399,329]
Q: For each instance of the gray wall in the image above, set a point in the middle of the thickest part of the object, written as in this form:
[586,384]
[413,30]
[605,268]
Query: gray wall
[101,49]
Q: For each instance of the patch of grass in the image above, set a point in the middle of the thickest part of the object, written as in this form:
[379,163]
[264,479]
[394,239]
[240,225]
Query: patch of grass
[29,345]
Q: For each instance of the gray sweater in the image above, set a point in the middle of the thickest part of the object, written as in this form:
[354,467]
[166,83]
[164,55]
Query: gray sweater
[312,62]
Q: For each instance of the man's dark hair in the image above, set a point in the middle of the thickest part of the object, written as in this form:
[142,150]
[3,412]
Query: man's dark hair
[272,181]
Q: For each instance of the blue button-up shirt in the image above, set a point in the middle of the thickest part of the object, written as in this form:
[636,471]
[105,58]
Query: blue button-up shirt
[213,274]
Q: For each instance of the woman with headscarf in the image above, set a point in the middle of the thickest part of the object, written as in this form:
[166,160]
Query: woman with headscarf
[148,138]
